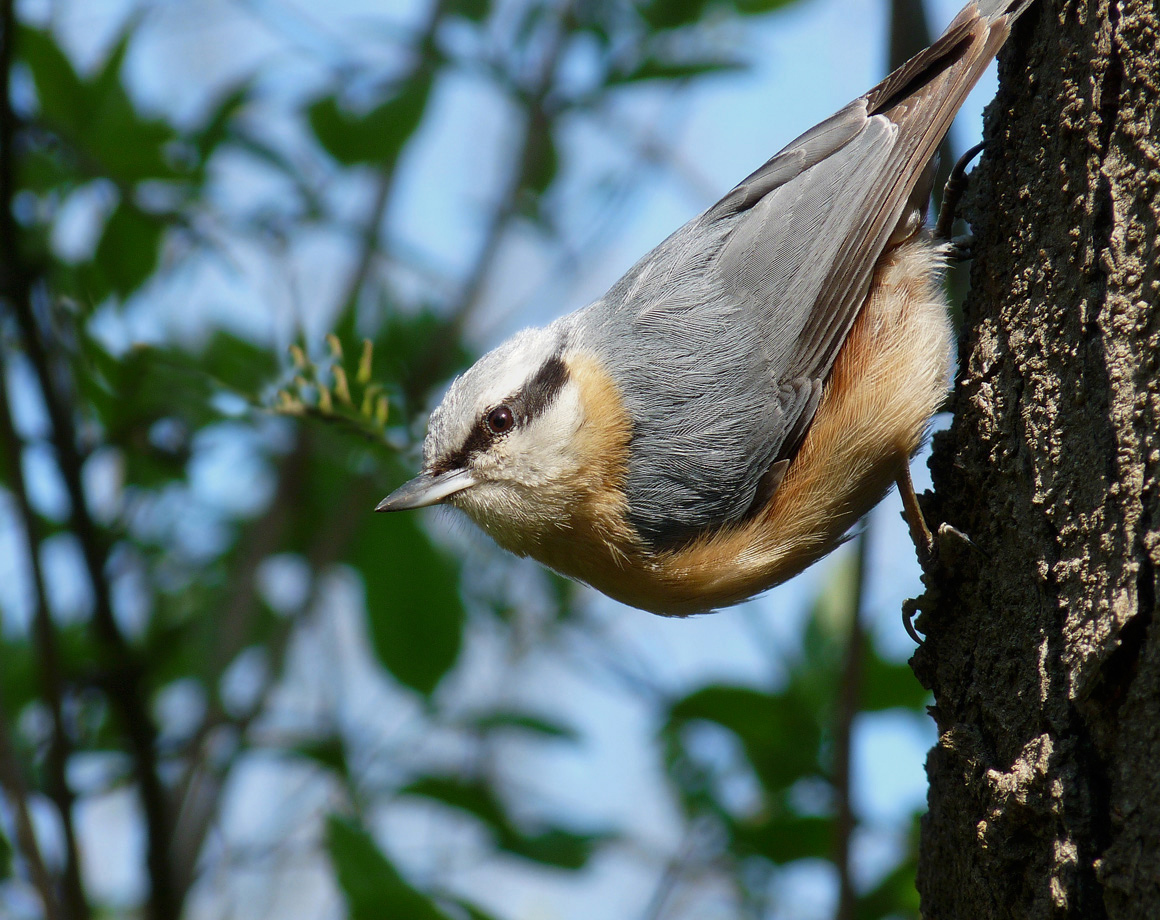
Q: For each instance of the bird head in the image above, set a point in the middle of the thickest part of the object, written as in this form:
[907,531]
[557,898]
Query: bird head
[504,443]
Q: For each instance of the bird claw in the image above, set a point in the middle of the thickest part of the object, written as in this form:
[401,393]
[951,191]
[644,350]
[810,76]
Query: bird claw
[959,248]
[953,191]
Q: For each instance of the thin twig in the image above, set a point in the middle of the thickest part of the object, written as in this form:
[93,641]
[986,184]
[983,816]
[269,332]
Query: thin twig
[672,876]
[13,785]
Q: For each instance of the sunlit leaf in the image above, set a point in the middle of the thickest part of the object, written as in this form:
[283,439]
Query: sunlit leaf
[372,886]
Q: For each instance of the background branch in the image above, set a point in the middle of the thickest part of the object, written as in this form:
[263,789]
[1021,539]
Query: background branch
[13,784]
[123,675]
[52,682]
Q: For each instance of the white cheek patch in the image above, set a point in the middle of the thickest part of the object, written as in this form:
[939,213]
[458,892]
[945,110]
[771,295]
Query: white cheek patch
[542,450]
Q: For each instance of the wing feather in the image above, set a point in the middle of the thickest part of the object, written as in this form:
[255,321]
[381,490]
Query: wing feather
[723,334]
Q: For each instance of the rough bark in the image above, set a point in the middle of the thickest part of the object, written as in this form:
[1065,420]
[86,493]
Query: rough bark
[1042,651]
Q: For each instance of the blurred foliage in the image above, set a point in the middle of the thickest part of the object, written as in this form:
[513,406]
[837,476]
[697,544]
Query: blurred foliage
[179,600]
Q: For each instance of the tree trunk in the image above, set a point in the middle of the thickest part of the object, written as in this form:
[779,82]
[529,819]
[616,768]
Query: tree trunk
[1041,651]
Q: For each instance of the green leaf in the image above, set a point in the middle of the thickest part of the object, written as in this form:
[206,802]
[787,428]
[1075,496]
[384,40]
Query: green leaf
[126,255]
[473,912]
[541,160]
[216,128]
[414,610]
[784,838]
[552,846]
[895,896]
[888,685]
[59,91]
[329,752]
[671,14]
[467,795]
[19,677]
[475,10]
[6,854]
[526,722]
[655,68]
[372,886]
[20,664]
[410,345]
[133,391]
[756,7]
[129,145]
[236,364]
[378,136]
[97,114]
[779,732]
[555,847]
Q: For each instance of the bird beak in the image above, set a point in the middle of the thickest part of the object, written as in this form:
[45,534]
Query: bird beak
[427,489]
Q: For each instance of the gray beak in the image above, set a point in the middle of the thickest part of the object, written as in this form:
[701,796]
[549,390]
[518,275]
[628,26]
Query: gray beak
[426,489]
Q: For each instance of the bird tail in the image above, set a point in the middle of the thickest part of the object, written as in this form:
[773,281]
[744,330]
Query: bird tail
[959,57]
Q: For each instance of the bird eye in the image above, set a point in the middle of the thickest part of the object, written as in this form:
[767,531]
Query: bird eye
[500,420]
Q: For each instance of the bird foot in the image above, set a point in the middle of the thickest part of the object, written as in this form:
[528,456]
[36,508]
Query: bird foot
[959,248]
[952,195]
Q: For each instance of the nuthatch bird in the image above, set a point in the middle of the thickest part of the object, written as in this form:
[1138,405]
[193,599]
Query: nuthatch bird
[723,415]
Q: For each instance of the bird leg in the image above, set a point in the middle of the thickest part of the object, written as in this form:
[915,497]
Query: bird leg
[952,197]
[919,533]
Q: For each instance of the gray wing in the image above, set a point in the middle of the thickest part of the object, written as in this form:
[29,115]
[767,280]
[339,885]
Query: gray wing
[724,334]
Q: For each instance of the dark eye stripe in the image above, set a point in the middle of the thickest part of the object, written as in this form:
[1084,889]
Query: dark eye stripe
[541,391]
[534,398]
